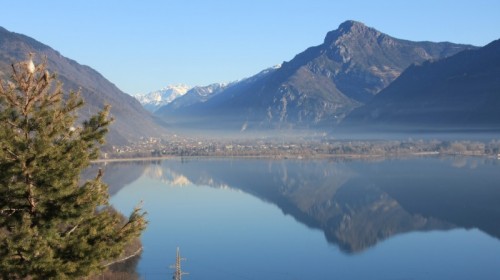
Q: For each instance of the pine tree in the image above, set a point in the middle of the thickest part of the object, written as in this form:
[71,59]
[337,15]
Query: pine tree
[51,227]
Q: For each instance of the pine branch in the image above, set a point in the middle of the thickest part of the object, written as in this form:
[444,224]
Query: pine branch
[12,211]
[71,230]
[15,157]
[14,125]
[125,258]
[42,158]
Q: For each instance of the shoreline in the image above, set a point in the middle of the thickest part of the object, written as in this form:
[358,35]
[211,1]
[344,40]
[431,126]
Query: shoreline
[280,157]
[293,157]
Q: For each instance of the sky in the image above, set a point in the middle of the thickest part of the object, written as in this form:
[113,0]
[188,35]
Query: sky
[142,46]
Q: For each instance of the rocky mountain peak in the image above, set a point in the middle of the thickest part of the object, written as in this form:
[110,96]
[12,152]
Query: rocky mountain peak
[317,88]
[352,26]
[350,30]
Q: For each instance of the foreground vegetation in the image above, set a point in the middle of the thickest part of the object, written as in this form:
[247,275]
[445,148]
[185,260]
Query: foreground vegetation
[51,227]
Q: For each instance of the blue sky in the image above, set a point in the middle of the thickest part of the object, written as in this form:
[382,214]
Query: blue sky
[145,45]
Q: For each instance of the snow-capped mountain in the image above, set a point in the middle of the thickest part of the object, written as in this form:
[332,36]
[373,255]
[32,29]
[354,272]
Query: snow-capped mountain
[197,94]
[204,93]
[153,100]
[201,94]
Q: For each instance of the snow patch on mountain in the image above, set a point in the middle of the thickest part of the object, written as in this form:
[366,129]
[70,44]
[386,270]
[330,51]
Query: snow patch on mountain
[171,94]
[155,99]
[206,92]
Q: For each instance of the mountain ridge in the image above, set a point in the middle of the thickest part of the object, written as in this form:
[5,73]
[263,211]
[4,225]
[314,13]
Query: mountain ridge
[153,100]
[132,121]
[319,86]
[458,92]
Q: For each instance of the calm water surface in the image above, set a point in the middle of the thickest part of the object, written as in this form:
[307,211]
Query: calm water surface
[418,218]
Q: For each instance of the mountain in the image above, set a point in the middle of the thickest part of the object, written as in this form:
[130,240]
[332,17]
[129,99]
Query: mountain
[461,92]
[319,86]
[132,121]
[189,111]
[197,94]
[153,100]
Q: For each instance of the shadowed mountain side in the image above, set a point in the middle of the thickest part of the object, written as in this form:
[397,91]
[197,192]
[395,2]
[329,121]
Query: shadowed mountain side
[461,92]
[319,86]
[132,121]
[198,108]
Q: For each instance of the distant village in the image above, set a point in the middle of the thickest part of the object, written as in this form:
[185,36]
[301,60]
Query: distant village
[296,148]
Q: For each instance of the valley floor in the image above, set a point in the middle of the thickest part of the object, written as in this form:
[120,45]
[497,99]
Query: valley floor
[298,148]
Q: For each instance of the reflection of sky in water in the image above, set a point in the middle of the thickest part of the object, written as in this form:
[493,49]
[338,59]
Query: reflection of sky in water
[229,234]
[218,230]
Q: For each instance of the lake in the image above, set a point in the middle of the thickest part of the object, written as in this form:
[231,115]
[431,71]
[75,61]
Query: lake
[408,218]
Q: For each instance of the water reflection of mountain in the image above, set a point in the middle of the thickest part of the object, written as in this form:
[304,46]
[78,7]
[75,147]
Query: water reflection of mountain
[118,174]
[467,196]
[357,204]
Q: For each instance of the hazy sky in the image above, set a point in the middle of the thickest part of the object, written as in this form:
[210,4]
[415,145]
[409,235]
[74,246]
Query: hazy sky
[145,45]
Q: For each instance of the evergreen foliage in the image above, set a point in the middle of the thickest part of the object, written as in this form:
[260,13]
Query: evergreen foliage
[51,227]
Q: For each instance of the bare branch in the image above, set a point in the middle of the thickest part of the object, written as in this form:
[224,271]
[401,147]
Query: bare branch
[71,230]
[125,258]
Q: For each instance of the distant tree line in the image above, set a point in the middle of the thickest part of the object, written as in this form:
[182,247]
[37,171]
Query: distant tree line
[272,148]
